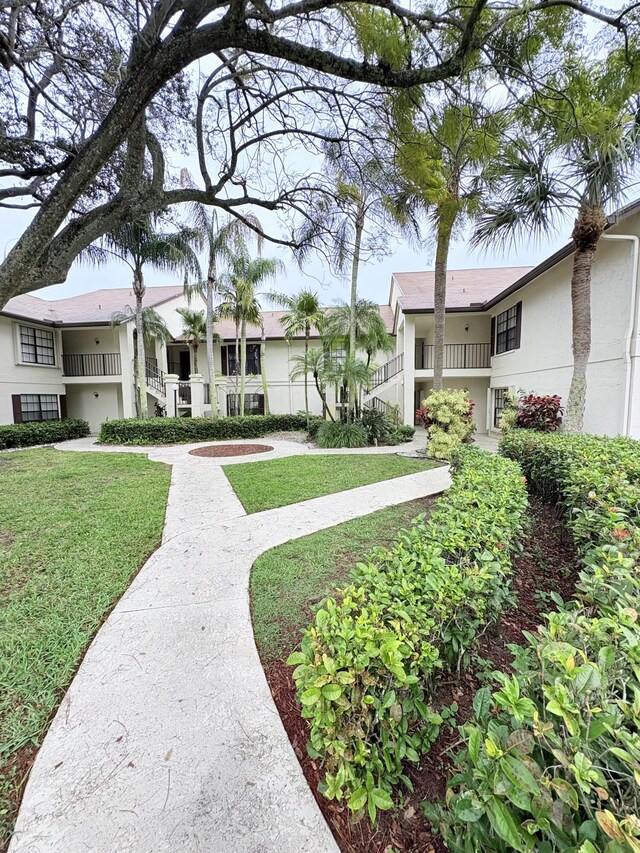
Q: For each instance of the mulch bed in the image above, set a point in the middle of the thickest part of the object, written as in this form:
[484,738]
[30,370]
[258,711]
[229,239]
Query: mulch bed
[230,450]
[548,564]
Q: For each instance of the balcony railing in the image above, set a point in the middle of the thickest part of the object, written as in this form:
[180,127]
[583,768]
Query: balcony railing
[456,356]
[387,371]
[92,364]
[155,376]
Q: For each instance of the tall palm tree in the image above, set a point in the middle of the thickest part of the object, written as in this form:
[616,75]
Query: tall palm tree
[241,302]
[303,312]
[139,245]
[314,362]
[153,328]
[194,330]
[589,143]
[221,239]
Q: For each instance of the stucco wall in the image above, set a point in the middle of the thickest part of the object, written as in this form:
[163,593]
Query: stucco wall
[82,402]
[83,341]
[18,378]
[544,362]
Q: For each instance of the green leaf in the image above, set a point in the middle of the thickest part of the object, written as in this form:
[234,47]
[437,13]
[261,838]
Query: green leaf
[381,798]
[521,741]
[358,800]
[504,824]
[482,703]
[566,792]
[332,692]
[475,738]
[310,696]
[518,774]
[296,658]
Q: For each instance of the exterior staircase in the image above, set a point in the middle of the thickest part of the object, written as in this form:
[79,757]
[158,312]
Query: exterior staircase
[385,377]
[155,380]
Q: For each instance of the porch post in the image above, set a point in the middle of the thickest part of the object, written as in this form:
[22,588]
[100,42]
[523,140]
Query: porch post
[171,379]
[197,395]
[409,364]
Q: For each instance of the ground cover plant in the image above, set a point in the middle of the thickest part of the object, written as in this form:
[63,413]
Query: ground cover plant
[41,432]
[551,760]
[74,529]
[177,430]
[279,482]
[334,434]
[367,665]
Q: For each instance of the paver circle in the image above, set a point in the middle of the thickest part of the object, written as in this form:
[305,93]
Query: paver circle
[230,450]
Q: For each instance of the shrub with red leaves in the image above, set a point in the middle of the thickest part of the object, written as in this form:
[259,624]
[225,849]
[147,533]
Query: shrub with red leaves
[540,413]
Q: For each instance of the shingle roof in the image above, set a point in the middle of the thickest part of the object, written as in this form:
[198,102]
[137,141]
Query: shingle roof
[464,287]
[98,306]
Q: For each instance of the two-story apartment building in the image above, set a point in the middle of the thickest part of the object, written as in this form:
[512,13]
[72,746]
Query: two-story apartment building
[510,328]
[506,328]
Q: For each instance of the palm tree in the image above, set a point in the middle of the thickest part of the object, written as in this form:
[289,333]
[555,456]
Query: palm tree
[241,302]
[351,374]
[194,330]
[153,328]
[442,171]
[589,143]
[221,240]
[139,245]
[303,312]
[314,362]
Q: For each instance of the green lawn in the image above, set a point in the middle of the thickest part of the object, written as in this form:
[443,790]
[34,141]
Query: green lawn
[279,482]
[74,529]
[289,580]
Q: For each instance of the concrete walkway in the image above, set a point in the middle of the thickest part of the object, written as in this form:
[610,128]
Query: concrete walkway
[168,740]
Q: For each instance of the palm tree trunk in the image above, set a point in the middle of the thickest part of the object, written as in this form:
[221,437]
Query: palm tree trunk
[243,362]
[195,356]
[307,334]
[237,367]
[211,362]
[141,373]
[263,369]
[325,408]
[588,229]
[446,217]
[357,243]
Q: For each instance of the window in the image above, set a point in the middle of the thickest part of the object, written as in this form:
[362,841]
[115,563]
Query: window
[253,404]
[36,346]
[252,366]
[498,405]
[507,329]
[39,407]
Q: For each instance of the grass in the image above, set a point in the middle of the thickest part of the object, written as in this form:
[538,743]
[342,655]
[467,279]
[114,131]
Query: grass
[74,529]
[279,482]
[287,581]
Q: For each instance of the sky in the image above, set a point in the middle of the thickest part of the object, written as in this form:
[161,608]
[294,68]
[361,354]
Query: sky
[374,278]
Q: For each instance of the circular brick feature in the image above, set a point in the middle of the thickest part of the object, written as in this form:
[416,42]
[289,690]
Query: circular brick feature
[230,450]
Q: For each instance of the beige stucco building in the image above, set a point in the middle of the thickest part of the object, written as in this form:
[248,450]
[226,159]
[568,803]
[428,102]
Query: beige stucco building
[506,328]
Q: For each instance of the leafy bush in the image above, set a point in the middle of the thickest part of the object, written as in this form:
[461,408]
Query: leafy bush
[540,413]
[509,414]
[368,663]
[314,426]
[336,434]
[448,417]
[401,434]
[41,432]
[376,424]
[176,430]
[552,759]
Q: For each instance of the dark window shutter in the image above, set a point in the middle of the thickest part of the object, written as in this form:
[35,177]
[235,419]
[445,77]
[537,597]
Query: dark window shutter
[260,404]
[493,336]
[518,324]
[223,351]
[17,408]
[63,407]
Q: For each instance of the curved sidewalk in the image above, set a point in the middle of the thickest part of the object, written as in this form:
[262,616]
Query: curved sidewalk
[168,740]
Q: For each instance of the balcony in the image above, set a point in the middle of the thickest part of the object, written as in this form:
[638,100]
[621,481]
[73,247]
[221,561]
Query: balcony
[456,356]
[92,364]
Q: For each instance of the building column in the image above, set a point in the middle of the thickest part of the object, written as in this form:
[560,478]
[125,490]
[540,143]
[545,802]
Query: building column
[409,371]
[171,394]
[197,395]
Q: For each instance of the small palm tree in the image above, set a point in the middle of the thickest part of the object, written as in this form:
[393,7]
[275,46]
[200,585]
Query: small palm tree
[303,312]
[314,362]
[139,245]
[241,302]
[194,330]
[352,375]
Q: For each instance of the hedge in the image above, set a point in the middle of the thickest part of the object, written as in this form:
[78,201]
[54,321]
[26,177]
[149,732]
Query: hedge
[552,759]
[367,665]
[41,432]
[177,430]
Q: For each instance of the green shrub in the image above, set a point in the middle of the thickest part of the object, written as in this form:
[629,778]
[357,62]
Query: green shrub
[552,759]
[177,430]
[448,417]
[41,432]
[366,666]
[405,432]
[336,434]
[376,424]
[314,426]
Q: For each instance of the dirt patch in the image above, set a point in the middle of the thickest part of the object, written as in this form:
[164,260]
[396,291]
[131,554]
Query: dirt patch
[230,450]
[548,564]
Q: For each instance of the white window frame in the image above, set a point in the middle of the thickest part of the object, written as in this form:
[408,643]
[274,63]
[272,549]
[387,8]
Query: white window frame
[17,341]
